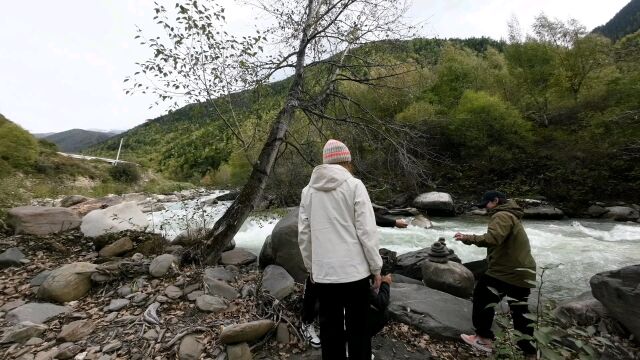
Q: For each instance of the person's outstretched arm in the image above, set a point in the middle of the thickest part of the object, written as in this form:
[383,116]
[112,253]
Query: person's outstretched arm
[498,230]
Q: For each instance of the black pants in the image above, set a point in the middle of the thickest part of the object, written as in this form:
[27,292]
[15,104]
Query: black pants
[483,314]
[309,302]
[340,305]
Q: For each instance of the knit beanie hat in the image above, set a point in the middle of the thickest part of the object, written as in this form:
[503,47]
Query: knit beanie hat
[335,152]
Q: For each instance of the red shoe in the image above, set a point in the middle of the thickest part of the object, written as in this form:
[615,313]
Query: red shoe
[478,342]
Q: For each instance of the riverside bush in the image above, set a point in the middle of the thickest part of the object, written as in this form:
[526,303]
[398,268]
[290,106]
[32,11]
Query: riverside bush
[125,173]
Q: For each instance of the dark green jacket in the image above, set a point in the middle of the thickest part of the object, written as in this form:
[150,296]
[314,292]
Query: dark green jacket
[508,248]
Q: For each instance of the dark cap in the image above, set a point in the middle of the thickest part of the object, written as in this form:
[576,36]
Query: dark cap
[489,196]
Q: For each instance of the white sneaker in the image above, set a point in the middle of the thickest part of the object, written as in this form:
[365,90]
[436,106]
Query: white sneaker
[309,333]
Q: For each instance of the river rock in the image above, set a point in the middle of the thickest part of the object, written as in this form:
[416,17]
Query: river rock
[596,211]
[117,304]
[161,264]
[237,257]
[76,330]
[173,292]
[67,350]
[121,217]
[240,351]
[583,310]
[220,288]
[11,257]
[437,313]
[116,248]
[619,292]
[190,348]
[36,313]
[192,296]
[88,206]
[22,332]
[68,282]
[435,203]
[40,278]
[71,200]
[246,332]
[409,263]
[219,273]
[277,282]
[39,220]
[543,212]
[622,213]
[450,277]
[211,303]
[421,221]
[283,249]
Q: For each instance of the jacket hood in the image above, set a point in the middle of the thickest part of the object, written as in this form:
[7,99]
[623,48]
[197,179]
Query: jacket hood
[510,206]
[328,177]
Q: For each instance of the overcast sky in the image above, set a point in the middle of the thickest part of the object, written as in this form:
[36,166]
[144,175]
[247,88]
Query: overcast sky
[62,62]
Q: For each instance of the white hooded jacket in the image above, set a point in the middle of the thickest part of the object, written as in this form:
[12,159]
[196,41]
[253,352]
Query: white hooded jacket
[337,230]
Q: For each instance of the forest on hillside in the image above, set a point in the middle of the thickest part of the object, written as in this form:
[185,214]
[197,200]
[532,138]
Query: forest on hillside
[625,22]
[555,113]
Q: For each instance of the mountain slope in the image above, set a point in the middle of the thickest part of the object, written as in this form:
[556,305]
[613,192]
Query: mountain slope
[625,22]
[75,140]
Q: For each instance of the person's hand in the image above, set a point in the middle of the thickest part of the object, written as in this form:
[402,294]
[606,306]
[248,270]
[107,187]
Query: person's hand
[377,280]
[387,279]
[401,223]
[460,237]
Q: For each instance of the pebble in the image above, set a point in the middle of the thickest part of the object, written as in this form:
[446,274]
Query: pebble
[173,292]
[117,304]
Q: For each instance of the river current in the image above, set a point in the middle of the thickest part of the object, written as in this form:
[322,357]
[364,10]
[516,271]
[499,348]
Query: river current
[581,247]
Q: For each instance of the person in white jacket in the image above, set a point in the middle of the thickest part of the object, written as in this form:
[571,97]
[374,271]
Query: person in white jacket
[339,244]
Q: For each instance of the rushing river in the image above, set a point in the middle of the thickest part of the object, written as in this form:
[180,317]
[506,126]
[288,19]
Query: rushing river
[582,247]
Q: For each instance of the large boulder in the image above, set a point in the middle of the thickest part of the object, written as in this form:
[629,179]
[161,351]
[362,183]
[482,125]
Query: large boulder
[39,220]
[409,263]
[284,249]
[88,206]
[121,217]
[450,277]
[266,257]
[435,203]
[622,213]
[543,212]
[68,282]
[583,310]
[437,313]
[619,292]
[277,282]
[246,332]
[36,313]
[596,211]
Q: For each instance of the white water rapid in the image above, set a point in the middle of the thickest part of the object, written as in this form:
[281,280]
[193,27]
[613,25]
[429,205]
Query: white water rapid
[583,247]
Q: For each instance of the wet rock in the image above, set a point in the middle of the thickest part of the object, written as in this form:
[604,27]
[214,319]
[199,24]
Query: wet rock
[277,282]
[237,257]
[622,213]
[37,220]
[543,212]
[219,273]
[190,348]
[421,221]
[161,264]
[67,350]
[37,313]
[67,283]
[211,303]
[435,203]
[22,332]
[71,200]
[40,278]
[220,288]
[239,352]
[596,211]
[116,248]
[282,247]
[116,304]
[246,332]
[437,313]
[11,257]
[76,330]
[173,292]
[121,217]
[409,263]
[618,291]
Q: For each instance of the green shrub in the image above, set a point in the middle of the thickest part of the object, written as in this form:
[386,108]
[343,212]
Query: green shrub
[18,148]
[125,173]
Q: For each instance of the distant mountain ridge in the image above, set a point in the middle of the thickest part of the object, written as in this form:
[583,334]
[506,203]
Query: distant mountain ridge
[625,22]
[75,140]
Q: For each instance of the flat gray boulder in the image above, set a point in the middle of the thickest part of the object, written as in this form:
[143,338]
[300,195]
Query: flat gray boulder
[237,257]
[36,313]
[619,292]
[435,203]
[220,288]
[40,220]
[409,263]
[11,257]
[277,282]
[437,313]
[121,217]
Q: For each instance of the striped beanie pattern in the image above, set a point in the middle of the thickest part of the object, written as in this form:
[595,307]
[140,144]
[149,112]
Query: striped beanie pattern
[335,152]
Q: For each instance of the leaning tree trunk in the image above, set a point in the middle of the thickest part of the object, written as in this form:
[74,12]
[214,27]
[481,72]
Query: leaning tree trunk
[228,225]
